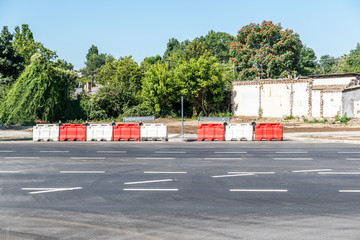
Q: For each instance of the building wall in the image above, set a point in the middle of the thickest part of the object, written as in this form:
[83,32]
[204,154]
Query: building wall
[351,103]
[316,103]
[246,100]
[333,81]
[275,100]
[300,103]
[331,104]
[318,96]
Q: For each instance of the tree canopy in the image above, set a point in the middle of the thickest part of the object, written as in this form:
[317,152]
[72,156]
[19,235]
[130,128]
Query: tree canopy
[266,51]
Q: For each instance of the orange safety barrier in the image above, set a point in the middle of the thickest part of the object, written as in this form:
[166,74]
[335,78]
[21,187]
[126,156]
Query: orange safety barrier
[268,131]
[72,132]
[126,132]
[211,131]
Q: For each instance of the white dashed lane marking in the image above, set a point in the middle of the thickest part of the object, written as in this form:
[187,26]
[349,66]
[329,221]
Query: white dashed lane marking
[312,170]
[233,175]
[258,190]
[163,172]
[84,172]
[111,151]
[152,189]
[149,181]
[293,159]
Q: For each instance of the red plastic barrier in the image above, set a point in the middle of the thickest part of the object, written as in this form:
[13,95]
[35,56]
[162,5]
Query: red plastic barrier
[72,132]
[128,131]
[268,131]
[211,132]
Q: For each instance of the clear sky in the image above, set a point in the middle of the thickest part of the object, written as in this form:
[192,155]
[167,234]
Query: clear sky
[142,28]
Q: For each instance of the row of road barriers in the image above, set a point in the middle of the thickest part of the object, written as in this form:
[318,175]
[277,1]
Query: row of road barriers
[238,131]
[101,132]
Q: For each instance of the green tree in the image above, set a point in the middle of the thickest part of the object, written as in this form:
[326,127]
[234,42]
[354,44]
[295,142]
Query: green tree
[266,51]
[174,47]
[352,61]
[201,82]
[307,63]
[94,61]
[41,92]
[159,91]
[326,64]
[150,61]
[121,86]
[11,64]
[217,44]
[25,45]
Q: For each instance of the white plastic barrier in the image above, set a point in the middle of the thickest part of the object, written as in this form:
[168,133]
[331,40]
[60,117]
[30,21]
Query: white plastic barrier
[238,131]
[154,131]
[99,132]
[46,132]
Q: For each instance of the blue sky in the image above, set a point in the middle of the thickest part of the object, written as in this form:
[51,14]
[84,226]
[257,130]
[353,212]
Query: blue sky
[142,28]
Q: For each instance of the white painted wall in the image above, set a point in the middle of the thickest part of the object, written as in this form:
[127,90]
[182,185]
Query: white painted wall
[275,100]
[301,99]
[315,103]
[246,100]
[332,104]
[333,81]
[351,103]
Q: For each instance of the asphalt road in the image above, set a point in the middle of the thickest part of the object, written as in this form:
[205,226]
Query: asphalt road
[205,190]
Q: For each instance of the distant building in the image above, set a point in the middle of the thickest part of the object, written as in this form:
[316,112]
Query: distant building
[316,96]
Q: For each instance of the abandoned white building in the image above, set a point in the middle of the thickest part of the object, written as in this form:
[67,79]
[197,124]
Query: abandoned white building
[316,96]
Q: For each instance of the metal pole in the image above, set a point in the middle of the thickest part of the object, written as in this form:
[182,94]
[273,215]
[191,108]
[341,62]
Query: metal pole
[182,117]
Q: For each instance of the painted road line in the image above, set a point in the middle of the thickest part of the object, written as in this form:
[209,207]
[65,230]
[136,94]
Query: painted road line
[54,151]
[312,170]
[293,159]
[48,190]
[87,158]
[233,175]
[162,172]
[5,151]
[339,173]
[353,159]
[111,151]
[251,173]
[152,189]
[230,152]
[9,171]
[150,181]
[291,152]
[258,190]
[85,172]
[349,152]
[222,158]
[349,191]
[21,157]
[153,158]
[170,152]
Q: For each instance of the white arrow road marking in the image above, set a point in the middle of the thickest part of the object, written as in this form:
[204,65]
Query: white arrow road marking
[150,181]
[47,190]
